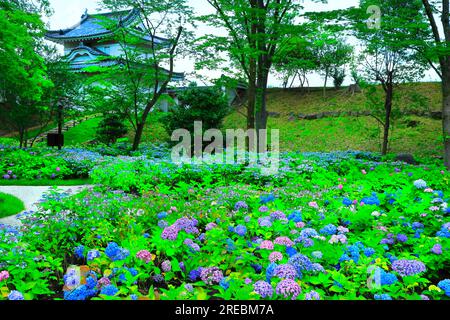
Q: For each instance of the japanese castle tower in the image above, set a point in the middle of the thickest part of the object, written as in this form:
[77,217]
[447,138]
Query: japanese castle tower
[86,44]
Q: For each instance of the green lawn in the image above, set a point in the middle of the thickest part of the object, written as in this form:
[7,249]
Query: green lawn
[82,133]
[10,205]
[46,182]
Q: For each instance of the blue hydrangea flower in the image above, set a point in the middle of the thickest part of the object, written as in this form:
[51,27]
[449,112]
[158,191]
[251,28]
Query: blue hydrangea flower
[15,296]
[383,296]
[241,230]
[384,278]
[263,288]
[296,216]
[194,275]
[162,215]
[445,286]
[93,254]
[109,290]
[257,267]
[301,263]
[347,202]
[267,199]
[269,271]
[79,252]
[329,230]
[368,252]
[445,231]
[420,184]
[240,205]
[225,283]
[372,200]
[291,251]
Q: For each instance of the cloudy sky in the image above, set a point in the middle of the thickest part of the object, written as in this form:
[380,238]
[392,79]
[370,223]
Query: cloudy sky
[68,12]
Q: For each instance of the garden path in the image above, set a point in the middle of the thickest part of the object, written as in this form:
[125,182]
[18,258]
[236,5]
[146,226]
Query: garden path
[30,196]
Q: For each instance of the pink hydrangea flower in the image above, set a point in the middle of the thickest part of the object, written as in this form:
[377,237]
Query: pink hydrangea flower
[275,256]
[144,255]
[300,225]
[434,208]
[284,241]
[363,171]
[343,229]
[314,204]
[340,187]
[267,244]
[340,238]
[4,275]
[428,190]
[103,282]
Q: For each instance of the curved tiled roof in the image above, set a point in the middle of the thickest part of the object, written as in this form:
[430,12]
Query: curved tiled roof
[93,51]
[93,26]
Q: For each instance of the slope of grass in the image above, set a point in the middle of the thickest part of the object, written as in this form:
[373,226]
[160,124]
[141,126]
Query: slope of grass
[82,133]
[343,133]
[10,205]
[352,133]
[408,96]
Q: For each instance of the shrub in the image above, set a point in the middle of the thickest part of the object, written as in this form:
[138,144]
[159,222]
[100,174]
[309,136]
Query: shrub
[208,105]
[110,129]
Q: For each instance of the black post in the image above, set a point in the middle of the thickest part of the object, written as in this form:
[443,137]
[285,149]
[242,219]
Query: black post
[60,124]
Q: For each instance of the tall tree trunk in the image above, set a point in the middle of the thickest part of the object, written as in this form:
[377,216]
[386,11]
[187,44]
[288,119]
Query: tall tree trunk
[387,120]
[21,137]
[251,105]
[325,85]
[446,113]
[138,135]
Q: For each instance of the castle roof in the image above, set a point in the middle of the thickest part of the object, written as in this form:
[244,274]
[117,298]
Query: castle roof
[92,27]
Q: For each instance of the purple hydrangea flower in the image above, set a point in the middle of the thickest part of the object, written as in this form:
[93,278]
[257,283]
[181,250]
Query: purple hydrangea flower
[437,249]
[288,289]
[285,271]
[402,238]
[264,289]
[240,205]
[241,230]
[211,275]
[408,267]
[166,266]
[170,233]
[312,295]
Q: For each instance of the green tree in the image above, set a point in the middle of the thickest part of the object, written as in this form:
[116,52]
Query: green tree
[138,83]
[111,128]
[208,105]
[387,56]
[22,69]
[439,51]
[332,54]
[256,31]
[297,57]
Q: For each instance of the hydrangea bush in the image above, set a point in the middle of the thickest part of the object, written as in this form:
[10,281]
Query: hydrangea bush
[328,226]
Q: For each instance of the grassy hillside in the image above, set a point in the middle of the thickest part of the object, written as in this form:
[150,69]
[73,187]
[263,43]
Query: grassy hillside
[412,134]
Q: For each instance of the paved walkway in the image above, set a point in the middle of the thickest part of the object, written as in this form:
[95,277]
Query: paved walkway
[30,196]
